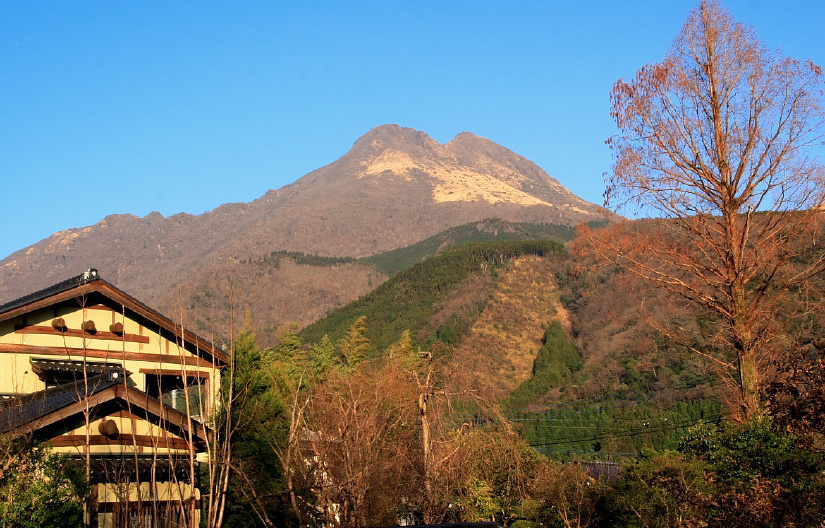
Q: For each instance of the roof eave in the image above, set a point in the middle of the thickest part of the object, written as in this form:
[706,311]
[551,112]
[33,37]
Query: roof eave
[75,288]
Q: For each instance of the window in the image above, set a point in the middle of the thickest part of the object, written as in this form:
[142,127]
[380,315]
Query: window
[174,389]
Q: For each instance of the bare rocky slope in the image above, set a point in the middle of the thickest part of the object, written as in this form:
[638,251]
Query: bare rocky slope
[395,187]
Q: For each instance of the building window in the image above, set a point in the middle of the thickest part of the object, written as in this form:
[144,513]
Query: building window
[173,390]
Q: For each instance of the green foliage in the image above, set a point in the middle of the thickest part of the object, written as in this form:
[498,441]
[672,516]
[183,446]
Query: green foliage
[554,364]
[41,488]
[409,299]
[273,260]
[610,428]
[354,345]
[402,350]
[733,475]
[391,262]
[743,452]
[479,501]
[259,425]
[322,356]
[496,469]
[661,490]
[290,351]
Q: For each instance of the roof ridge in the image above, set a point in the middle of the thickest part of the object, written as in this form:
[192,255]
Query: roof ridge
[90,275]
[92,281]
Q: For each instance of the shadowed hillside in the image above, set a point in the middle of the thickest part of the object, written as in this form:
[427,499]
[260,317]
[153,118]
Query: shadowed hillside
[284,288]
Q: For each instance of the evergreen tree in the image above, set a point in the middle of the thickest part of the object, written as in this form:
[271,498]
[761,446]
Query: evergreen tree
[354,344]
[259,427]
[322,356]
[291,351]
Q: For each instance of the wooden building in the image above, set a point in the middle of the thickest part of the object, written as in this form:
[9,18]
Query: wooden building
[126,392]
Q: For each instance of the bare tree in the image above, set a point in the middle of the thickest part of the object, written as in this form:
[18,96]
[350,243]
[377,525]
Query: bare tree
[362,441]
[721,139]
[221,432]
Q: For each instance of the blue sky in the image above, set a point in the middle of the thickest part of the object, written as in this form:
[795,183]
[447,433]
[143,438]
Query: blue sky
[129,107]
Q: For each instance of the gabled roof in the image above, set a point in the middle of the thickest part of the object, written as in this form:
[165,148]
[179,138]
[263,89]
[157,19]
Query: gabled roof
[89,288]
[49,413]
[28,409]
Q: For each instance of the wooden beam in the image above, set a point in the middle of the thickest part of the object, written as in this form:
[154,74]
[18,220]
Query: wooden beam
[147,504]
[75,293]
[71,353]
[157,442]
[164,412]
[132,399]
[71,332]
[176,372]
[75,407]
[141,309]
[81,291]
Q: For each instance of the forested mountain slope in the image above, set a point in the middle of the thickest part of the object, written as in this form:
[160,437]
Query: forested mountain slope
[284,288]
[588,358]
[569,349]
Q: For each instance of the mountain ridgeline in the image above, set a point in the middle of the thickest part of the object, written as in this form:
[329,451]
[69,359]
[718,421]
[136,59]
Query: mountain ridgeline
[395,188]
[461,244]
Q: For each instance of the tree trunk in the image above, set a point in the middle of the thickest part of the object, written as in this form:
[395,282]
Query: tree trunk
[749,385]
[425,440]
[747,359]
[747,354]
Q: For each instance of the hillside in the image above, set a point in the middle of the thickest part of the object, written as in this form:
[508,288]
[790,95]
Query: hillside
[393,261]
[284,287]
[394,188]
[437,299]
[569,345]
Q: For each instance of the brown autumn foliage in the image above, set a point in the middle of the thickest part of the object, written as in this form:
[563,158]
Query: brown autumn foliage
[797,391]
[617,320]
[361,439]
[716,140]
[387,439]
[567,492]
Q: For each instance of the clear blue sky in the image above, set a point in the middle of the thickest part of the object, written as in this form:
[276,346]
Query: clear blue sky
[128,107]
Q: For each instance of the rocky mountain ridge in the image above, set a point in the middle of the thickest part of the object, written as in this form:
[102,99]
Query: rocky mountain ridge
[395,187]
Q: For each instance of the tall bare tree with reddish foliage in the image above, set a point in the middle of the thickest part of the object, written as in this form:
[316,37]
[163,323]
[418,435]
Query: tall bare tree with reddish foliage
[720,140]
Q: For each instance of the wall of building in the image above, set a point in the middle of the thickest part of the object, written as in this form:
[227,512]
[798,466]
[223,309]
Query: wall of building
[140,348]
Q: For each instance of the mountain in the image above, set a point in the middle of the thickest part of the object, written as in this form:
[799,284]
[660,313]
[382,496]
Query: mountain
[567,346]
[395,187]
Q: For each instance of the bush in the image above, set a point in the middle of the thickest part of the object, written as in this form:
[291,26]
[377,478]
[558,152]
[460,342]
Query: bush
[762,476]
[41,488]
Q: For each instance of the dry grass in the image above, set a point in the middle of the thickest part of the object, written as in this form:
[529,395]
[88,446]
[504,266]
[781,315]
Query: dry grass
[503,343]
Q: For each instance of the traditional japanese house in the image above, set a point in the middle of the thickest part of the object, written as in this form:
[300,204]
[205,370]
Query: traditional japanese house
[125,392]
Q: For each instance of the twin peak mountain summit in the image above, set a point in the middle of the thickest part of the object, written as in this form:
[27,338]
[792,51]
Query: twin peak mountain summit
[395,187]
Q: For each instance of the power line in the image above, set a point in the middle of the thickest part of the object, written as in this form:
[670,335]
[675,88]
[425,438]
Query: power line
[578,403]
[637,432]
